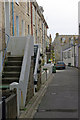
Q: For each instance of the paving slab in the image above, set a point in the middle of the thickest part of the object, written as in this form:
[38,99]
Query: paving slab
[61,97]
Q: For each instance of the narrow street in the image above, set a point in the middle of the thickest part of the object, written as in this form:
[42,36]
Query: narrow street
[61,98]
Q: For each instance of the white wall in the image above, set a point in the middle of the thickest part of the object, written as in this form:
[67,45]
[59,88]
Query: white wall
[17,45]
[43,74]
[67,59]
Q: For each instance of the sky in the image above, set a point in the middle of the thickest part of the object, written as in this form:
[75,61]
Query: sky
[61,16]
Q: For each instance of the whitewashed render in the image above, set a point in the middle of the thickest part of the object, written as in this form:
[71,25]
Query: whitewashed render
[68,56]
[22,46]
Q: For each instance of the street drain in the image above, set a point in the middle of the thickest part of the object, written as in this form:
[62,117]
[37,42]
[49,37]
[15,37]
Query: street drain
[57,110]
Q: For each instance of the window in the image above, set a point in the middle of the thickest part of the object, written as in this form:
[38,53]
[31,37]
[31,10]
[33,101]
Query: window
[28,8]
[17,25]
[23,28]
[33,15]
[28,30]
[65,55]
[63,40]
[69,54]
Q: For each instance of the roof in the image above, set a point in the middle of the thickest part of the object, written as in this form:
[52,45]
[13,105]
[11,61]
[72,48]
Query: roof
[40,13]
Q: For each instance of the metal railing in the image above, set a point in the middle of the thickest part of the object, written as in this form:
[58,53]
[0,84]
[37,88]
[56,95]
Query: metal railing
[36,64]
[4,51]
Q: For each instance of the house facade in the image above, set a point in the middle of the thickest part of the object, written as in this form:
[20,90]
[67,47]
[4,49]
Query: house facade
[70,56]
[39,27]
[64,46]
[24,18]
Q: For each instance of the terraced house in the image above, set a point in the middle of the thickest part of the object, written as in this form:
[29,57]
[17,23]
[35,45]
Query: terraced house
[23,25]
[23,18]
[39,27]
[66,49]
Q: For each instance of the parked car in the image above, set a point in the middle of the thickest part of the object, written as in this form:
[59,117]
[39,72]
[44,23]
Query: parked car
[60,65]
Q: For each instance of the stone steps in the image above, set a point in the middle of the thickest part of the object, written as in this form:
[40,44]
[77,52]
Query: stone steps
[12,63]
[15,58]
[11,74]
[11,71]
[9,80]
[12,68]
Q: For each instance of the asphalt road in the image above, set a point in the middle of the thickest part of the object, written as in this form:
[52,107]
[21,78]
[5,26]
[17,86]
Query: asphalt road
[61,98]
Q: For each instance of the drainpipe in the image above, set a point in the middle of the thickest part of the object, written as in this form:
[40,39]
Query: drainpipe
[13,15]
[31,21]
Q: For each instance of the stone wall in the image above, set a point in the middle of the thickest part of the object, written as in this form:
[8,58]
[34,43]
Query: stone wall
[21,11]
[2,26]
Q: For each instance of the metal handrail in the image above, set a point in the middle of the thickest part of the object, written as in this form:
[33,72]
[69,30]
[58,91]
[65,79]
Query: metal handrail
[5,51]
[36,64]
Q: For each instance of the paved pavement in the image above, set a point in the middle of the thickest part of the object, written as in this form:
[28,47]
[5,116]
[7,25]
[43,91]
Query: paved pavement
[61,97]
[33,104]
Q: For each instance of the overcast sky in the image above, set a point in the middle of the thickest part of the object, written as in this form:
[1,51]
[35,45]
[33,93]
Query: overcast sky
[61,16]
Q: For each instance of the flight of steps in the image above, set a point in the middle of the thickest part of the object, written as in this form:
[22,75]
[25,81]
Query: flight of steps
[11,71]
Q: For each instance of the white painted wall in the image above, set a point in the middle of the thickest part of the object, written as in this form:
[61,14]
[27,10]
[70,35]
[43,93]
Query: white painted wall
[71,59]
[25,71]
[43,74]
[22,46]
[17,45]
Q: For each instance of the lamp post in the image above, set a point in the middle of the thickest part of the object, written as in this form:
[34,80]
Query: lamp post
[61,49]
[73,44]
[74,51]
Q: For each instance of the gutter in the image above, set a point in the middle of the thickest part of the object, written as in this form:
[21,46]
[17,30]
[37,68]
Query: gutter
[31,21]
[13,15]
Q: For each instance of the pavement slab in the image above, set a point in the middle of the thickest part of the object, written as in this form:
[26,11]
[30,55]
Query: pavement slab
[61,97]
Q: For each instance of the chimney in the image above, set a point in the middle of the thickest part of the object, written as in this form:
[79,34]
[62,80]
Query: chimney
[57,34]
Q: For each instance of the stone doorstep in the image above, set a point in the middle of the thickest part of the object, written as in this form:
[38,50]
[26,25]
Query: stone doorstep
[33,104]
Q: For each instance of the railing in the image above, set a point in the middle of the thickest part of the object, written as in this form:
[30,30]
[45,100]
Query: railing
[4,51]
[37,64]
[25,71]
